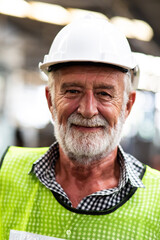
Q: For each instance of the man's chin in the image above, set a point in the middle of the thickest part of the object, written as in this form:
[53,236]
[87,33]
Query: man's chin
[86,159]
[86,151]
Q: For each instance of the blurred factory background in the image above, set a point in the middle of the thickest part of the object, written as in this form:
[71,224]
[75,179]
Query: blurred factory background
[27,29]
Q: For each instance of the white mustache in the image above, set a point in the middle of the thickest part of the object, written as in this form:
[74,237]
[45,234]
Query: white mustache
[96,121]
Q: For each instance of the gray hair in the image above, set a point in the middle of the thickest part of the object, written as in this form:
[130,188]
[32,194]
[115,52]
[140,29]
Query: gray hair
[128,86]
[51,83]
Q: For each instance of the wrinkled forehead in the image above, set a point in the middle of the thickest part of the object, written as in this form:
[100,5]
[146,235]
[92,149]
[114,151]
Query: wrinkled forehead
[95,72]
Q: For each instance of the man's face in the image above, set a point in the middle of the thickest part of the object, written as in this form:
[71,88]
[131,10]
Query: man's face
[88,111]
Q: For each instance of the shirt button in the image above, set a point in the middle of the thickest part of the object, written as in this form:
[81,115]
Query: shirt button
[68,232]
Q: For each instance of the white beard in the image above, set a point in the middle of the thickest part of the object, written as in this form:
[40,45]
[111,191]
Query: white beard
[85,148]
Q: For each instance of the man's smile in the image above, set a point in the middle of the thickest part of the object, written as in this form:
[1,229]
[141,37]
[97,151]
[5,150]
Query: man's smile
[85,128]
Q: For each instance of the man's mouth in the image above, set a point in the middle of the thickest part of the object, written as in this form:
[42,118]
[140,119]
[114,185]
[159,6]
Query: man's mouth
[87,128]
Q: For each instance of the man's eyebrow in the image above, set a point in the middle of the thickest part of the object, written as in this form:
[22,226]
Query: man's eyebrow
[70,84]
[98,86]
[105,86]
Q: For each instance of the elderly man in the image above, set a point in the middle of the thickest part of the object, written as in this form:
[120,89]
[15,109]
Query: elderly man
[84,186]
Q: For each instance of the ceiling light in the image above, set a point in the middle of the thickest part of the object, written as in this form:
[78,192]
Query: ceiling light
[149,72]
[79,13]
[133,28]
[16,8]
[56,14]
[50,13]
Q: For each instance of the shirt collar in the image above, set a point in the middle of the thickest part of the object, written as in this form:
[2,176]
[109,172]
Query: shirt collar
[131,168]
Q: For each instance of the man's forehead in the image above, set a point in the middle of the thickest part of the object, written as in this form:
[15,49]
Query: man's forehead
[90,77]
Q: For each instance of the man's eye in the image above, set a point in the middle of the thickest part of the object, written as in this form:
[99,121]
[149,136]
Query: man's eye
[72,91]
[104,94]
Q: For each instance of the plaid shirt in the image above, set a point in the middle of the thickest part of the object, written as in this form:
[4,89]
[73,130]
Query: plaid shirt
[130,171]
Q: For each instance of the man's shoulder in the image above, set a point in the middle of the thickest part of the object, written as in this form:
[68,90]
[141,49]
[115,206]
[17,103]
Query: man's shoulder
[151,181]
[15,154]
[152,174]
[149,172]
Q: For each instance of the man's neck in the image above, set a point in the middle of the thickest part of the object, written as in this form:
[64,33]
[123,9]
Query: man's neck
[79,181]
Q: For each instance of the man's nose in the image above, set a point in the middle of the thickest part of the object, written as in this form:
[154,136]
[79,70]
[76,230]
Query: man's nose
[88,105]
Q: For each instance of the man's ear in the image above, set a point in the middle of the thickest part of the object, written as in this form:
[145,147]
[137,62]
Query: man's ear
[131,100]
[49,100]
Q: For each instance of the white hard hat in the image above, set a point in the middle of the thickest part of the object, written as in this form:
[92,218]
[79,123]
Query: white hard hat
[90,39]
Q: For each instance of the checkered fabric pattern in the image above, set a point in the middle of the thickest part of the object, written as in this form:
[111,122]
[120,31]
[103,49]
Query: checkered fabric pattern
[130,170]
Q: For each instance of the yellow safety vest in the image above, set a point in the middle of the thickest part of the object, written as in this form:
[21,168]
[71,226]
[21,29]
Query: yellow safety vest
[30,211]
